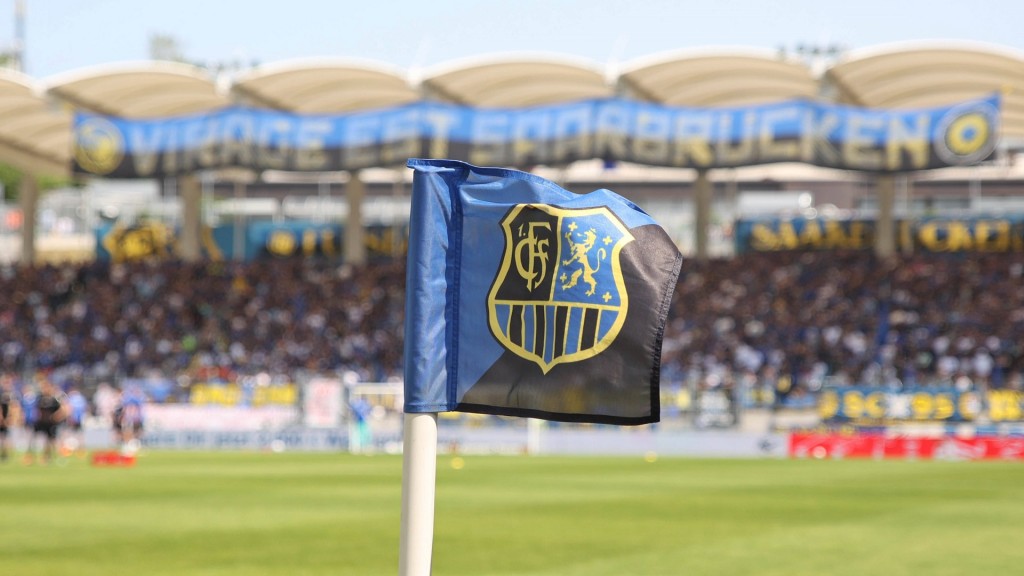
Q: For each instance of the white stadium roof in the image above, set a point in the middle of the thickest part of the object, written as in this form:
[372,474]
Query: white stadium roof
[508,81]
[35,133]
[324,86]
[919,75]
[721,77]
[139,90]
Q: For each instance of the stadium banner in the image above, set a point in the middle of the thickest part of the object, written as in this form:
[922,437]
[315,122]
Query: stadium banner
[148,240]
[876,405]
[203,394]
[322,403]
[525,299]
[471,439]
[783,234]
[814,445]
[155,389]
[676,400]
[1005,405]
[152,239]
[219,418]
[716,408]
[283,239]
[976,234]
[936,234]
[301,440]
[822,134]
[386,241]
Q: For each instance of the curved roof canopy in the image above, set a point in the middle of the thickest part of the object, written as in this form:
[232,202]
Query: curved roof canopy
[495,82]
[717,79]
[35,134]
[140,90]
[324,86]
[917,76]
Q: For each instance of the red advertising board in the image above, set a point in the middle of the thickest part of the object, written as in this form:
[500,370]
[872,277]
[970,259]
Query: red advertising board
[816,445]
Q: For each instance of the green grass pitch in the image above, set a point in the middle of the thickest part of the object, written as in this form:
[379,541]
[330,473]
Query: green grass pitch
[220,514]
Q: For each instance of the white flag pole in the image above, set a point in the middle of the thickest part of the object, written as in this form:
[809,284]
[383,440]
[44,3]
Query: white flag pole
[419,471]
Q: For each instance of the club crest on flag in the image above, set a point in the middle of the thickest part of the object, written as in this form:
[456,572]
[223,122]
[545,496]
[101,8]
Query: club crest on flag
[559,295]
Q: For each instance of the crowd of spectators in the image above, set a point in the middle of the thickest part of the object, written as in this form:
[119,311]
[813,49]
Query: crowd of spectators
[796,321]
[211,320]
[788,321]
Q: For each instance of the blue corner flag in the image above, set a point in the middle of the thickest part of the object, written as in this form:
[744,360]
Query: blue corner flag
[525,299]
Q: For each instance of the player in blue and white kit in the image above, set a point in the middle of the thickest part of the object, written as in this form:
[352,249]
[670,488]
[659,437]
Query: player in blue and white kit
[78,409]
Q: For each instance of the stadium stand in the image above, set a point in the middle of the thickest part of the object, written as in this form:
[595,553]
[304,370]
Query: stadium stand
[804,320]
[787,321]
[104,322]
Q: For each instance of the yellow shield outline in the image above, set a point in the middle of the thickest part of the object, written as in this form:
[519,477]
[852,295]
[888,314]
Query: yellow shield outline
[952,147]
[507,264]
[98,146]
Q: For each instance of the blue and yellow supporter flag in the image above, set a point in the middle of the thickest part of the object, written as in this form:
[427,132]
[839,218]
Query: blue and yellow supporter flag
[525,299]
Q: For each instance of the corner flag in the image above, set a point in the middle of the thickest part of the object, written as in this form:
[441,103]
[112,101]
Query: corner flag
[525,299]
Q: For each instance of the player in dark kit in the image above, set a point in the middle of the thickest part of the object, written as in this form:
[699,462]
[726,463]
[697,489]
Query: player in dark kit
[6,399]
[51,410]
[128,419]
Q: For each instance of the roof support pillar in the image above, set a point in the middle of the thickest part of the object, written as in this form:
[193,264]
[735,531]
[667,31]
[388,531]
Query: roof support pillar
[241,221]
[355,241]
[701,214]
[885,228]
[190,189]
[28,199]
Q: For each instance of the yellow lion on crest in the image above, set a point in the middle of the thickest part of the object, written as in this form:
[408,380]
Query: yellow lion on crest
[579,254]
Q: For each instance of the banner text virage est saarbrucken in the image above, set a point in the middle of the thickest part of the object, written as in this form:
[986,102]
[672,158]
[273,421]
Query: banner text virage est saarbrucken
[614,129]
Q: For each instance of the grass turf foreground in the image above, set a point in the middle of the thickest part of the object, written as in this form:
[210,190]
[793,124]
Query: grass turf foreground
[206,514]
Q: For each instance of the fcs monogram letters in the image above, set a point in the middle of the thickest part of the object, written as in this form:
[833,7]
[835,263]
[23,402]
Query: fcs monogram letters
[559,296]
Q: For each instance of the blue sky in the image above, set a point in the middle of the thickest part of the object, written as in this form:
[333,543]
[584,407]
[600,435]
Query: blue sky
[63,35]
